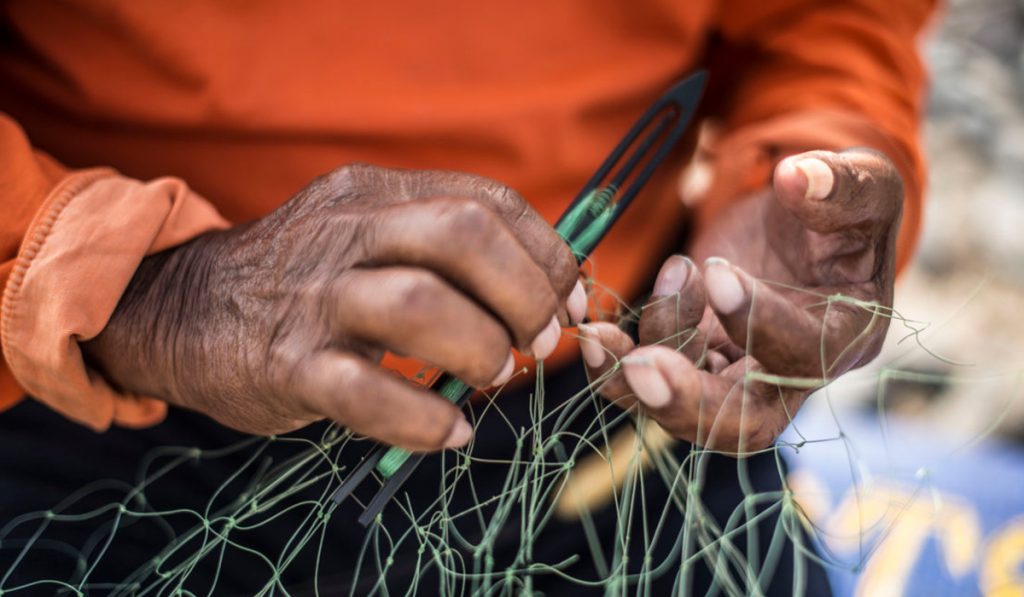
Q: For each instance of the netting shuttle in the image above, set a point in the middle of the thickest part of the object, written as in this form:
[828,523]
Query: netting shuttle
[592,213]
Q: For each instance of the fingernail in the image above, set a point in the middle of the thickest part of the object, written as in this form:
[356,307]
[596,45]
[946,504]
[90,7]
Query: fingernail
[647,382]
[576,304]
[674,273]
[544,344]
[819,178]
[786,169]
[725,291]
[506,371]
[460,435]
[590,346]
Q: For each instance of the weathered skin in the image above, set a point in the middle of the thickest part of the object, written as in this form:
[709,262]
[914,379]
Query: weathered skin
[268,326]
[842,243]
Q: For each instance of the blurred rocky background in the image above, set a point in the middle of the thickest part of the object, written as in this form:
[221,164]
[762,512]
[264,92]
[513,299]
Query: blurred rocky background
[966,287]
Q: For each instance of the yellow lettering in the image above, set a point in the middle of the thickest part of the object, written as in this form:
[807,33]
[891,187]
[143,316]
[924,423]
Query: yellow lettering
[1002,568]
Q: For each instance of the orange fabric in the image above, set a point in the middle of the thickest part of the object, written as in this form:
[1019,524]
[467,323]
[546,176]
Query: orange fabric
[247,102]
[26,178]
[821,75]
[85,244]
[744,161]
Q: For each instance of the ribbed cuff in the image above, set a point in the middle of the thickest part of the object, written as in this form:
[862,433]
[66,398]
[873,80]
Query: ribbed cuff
[76,261]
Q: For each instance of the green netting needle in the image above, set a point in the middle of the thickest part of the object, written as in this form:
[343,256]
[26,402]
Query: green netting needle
[586,221]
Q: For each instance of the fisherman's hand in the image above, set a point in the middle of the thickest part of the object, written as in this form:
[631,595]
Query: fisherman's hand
[718,338]
[271,325]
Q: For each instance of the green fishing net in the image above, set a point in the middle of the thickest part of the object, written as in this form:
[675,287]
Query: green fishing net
[575,463]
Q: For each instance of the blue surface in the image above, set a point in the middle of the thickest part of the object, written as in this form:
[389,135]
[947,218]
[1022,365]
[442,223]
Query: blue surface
[947,505]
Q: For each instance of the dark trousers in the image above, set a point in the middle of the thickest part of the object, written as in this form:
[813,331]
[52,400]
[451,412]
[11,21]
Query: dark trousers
[46,459]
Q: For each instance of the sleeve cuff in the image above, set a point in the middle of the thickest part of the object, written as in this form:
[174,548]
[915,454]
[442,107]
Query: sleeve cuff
[743,161]
[76,261]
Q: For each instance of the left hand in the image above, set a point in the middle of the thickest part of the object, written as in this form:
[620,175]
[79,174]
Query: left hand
[762,304]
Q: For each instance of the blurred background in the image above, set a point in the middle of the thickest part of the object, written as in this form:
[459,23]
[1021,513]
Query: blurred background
[970,265]
[929,465]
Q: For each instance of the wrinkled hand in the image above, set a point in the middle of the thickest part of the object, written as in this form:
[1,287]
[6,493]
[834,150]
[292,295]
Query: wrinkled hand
[714,339]
[268,326]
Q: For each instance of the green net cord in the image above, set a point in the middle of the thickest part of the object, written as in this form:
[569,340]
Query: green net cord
[598,204]
[394,458]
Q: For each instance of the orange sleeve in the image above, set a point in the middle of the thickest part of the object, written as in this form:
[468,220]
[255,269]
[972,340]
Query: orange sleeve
[26,178]
[71,241]
[817,74]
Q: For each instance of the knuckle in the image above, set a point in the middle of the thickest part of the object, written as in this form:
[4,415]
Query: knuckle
[507,200]
[341,177]
[344,182]
[346,409]
[351,173]
[418,291]
[500,196]
[353,376]
[470,220]
[344,173]
[564,271]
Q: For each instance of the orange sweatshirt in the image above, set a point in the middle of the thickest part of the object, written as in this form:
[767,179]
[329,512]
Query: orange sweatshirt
[129,127]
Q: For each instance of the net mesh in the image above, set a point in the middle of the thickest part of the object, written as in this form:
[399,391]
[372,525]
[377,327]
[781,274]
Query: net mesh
[488,527]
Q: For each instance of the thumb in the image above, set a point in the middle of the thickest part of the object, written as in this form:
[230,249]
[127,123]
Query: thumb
[832,192]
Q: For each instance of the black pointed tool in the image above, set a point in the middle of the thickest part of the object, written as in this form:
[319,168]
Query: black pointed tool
[588,218]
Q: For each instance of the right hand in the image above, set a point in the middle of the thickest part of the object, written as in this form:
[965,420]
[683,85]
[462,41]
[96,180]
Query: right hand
[269,326]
